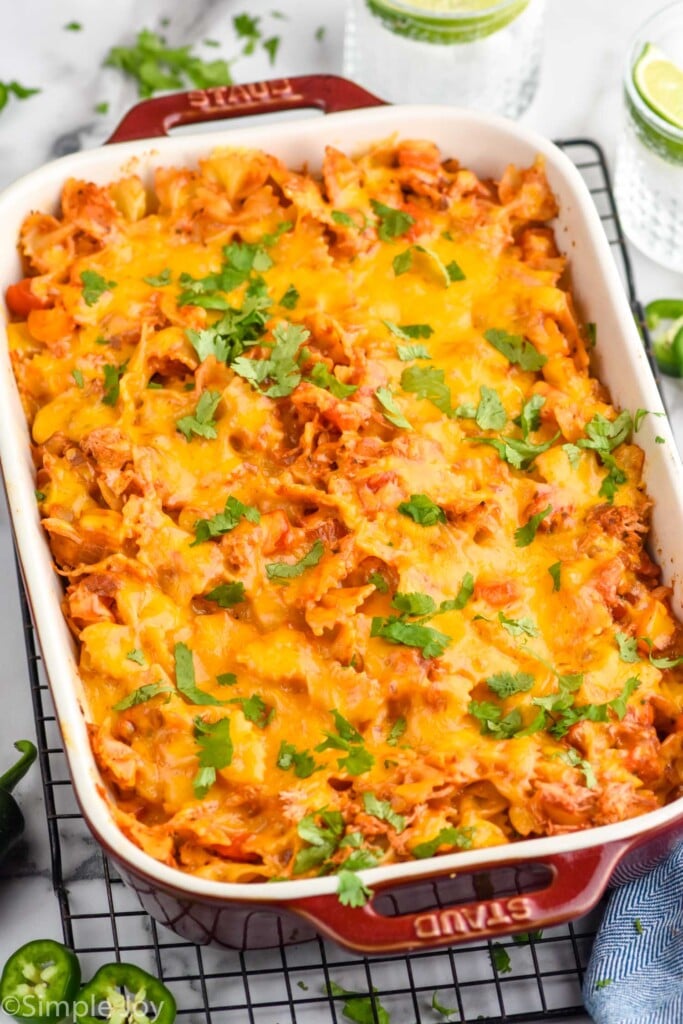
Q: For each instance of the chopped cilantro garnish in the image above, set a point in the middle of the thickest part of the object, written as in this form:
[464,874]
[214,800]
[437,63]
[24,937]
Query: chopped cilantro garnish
[226,594]
[136,655]
[271,47]
[516,349]
[518,453]
[94,286]
[155,67]
[351,890]
[397,730]
[323,831]
[40,495]
[159,280]
[428,382]
[505,684]
[360,1008]
[202,423]
[301,761]
[518,627]
[378,582]
[347,738]
[215,752]
[391,410]
[493,722]
[490,414]
[526,534]
[280,370]
[383,811]
[392,222]
[324,378]
[78,378]
[73,26]
[397,631]
[140,696]
[255,709]
[226,679]
[345,220]
[555,571]
[290,298]
[530,417]
[448,836]
[406,353]
[628,647]
[444,1011]
[603,983]
[574,760]
[402,262]
[320,33]
[185,680]
[592,334]
[287,571]
[638,925]
[659,440]
[422,510]
[112,379]
[638,418]
[573,454]
[225,521]
[21,92]
[500,958]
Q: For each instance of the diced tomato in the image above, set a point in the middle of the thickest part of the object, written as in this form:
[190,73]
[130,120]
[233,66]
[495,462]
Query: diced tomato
[21,298]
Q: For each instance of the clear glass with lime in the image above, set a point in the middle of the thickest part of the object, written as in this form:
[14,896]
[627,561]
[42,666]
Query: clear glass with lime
[649,170]
[472,53]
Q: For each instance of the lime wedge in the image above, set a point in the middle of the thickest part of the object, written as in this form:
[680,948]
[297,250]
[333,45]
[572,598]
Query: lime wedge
[445,21]
[660,84]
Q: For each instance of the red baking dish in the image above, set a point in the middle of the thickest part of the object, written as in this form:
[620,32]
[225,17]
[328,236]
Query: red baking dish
[439,901]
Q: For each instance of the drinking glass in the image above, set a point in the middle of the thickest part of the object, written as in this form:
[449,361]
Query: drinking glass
[649,169]
[472,53]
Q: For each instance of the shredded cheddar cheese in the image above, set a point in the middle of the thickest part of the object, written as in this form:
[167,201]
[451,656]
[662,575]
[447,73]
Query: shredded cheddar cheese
[352,539]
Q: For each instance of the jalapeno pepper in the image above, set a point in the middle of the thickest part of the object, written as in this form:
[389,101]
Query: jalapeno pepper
[11,818]
[40,982]
[664,318]
[125,993]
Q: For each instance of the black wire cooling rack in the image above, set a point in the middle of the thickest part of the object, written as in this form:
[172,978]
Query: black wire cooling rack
[495,982]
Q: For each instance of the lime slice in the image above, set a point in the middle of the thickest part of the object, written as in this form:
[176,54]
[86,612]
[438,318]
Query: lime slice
[445,21]
[660,84]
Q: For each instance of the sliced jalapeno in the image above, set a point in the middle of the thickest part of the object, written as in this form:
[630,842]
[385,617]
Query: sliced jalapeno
[40,982]
[664,318]
[125,994]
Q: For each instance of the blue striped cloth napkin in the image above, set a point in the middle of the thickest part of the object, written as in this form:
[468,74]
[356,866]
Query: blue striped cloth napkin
[635,973]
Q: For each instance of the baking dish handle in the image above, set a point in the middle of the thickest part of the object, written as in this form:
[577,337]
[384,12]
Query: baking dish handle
[329,93]
[578,881]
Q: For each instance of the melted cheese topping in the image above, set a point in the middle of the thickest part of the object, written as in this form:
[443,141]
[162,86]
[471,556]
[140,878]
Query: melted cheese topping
[335,720]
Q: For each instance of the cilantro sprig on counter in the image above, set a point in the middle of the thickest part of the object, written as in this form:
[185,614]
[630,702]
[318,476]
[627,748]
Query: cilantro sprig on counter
[20,92]
[157,67]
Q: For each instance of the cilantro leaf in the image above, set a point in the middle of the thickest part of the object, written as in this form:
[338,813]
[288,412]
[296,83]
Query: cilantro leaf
[574,760]
[515,451]
[255,709]
[455,272]
[202,423]
[225,521]
[448,836]
[288,571]
[493,722]
[391,409]
[530,416]
[555,570]
[226,595]
[112,379]
[280,367]
[94,286]
[185,680]
[78,378]
[351,890]
[323,378]
[628,647]
[343,219]
[397,631]
[464,594]
[603,983]
[505,684]
[526,534]
[444,1011]
[215,752]
[406,353]
[349,740]
[618,705]
[414,603]
[516,349]
[410,330]
[378,582]
[301,761]
[155,67]
[663,663]
[290,298]
[422,510]
[160,280]
[428,382]
[136,655]
[140,696]
[73,26]
[383,811]
[573,454]
[500,958]
[517,627]
[271,47]
[360,1009]
[402,262]
[397,730]
[392,222]
[226,679]
[15,89]
[490,414]
[603,435]
[323,831]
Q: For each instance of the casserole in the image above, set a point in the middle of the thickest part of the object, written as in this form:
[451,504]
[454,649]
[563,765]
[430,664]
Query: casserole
[579,864]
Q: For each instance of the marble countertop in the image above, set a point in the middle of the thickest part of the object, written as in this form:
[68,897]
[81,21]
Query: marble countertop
[579,96]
